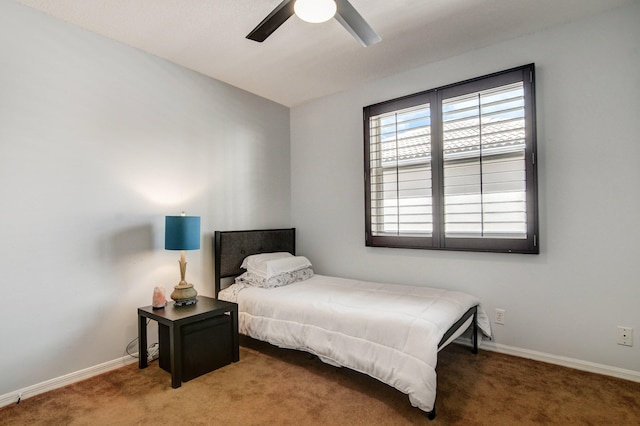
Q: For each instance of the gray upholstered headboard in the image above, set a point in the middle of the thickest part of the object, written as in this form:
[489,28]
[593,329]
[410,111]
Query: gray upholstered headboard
[231,247]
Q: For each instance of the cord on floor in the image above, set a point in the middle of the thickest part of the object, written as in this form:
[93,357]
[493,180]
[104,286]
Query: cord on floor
[153,351]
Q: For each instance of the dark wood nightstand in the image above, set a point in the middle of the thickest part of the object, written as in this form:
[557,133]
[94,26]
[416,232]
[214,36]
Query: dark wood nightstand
[194,339]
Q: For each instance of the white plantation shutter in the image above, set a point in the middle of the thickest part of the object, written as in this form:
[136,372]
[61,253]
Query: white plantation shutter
[400,172]
[484,164]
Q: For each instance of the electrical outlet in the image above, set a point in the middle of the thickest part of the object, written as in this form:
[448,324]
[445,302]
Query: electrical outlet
[625,336]
[499,316]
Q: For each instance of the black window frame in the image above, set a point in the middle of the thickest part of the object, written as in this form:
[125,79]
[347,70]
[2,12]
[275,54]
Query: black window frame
[435,97]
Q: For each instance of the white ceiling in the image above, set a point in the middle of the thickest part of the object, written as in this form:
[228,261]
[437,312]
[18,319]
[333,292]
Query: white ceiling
[303,61]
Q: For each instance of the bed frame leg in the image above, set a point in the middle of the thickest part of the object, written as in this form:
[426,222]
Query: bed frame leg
[475,332]
[432,414]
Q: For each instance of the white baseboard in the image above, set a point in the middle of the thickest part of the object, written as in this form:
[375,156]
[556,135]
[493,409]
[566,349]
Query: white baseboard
[577,364]
[58,382]
[14,397]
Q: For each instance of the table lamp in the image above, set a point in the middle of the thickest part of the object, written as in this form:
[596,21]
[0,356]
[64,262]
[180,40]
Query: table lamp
[182,233]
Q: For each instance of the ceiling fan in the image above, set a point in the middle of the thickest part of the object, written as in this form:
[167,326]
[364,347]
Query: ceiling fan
[342,10]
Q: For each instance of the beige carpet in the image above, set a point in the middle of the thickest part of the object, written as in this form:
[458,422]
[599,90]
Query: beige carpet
[271,386]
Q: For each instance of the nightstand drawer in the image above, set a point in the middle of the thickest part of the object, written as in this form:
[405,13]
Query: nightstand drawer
[206,346]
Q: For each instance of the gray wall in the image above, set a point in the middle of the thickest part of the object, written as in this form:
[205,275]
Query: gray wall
[565,302]
[98,142]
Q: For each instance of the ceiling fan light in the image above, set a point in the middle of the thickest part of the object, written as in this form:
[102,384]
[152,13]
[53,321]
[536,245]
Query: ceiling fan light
[315,11]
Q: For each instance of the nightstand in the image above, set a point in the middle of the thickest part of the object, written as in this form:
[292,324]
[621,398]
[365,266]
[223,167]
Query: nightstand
[194,339]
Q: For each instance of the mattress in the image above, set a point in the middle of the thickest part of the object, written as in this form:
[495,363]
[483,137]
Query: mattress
[390,332]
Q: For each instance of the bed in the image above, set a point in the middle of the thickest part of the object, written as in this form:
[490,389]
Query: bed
[390,332]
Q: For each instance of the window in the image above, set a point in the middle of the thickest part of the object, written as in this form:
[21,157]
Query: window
[455,167]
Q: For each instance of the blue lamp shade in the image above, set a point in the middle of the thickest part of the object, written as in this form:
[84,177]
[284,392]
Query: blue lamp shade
[182,233]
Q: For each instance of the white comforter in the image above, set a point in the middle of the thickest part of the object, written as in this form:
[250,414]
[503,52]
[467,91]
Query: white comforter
[390,332]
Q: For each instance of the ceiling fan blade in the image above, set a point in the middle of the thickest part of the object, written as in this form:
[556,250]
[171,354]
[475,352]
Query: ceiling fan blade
[277,17]
[349,17]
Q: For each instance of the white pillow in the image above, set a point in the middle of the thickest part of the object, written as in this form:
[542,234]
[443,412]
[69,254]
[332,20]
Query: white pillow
[257,263]
[286,264]
[249,279]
